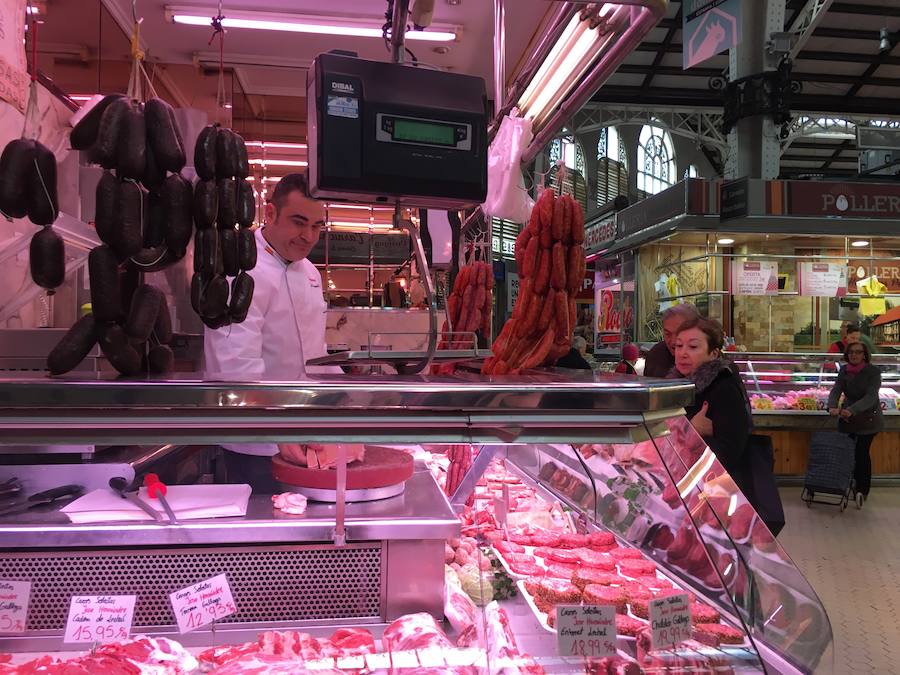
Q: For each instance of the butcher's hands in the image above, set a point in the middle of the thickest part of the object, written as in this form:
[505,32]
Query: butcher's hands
[846,414]
[295,453]
[701,423]
[834,412]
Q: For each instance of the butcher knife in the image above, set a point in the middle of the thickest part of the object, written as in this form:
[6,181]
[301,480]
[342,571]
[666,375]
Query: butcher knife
[120,485]
[41,498]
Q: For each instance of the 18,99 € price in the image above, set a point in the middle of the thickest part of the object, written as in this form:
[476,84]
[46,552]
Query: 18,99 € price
[592,648]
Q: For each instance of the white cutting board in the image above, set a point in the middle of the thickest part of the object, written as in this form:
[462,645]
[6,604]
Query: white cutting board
[187,501]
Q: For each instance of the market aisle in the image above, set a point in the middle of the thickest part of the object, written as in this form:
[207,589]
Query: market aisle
[852,560]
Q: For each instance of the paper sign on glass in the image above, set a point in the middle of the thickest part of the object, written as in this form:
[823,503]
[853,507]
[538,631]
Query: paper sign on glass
[99,618]
[14,596]
[759,277]
[586,630]
[202,603]
[823,279]
[670,621]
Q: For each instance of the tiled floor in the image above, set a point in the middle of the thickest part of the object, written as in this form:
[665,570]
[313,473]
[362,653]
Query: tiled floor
[852,560]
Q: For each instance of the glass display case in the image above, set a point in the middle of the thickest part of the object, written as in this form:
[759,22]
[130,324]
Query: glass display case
[528,494]
[797,382]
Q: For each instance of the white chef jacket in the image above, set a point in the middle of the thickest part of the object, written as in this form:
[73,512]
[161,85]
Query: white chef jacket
[285,327]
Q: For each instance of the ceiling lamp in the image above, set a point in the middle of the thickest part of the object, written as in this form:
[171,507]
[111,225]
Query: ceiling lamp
[859,243]
[305,23]
[568,61]
[726,241]
[577,53]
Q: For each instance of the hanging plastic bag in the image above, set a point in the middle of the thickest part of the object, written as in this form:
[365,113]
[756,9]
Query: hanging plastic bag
[507,197]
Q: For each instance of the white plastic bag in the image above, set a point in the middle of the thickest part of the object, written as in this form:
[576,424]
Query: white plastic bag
[507,197]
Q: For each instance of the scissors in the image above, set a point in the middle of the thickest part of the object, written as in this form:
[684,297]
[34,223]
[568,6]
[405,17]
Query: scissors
[41,498]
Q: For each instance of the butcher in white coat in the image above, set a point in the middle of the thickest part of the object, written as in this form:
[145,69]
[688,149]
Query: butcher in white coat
[285,325]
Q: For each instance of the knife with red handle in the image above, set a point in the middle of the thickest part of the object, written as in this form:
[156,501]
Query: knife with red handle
[156,489]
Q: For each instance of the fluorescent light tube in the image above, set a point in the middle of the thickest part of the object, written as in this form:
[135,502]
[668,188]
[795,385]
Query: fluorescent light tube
[269,144]
[304,23]
[277,162]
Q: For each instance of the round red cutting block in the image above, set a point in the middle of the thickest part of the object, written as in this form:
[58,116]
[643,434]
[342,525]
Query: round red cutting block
[381,467]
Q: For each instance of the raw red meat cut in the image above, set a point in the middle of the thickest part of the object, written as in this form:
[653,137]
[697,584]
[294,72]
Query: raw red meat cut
[590,575]
[628,625]
[290,643]
[545,538]
[625,554]
[557,591]
[543,552]
[596,559]
[601,540]
[219,656]
[562,555]
[458,608]
[654,582]
[561,570]
[414,631]
[595,594]
[509,547]
[714,634]
[572,540]
[636,568]
[353,641]
[701,613]
[527,568]
[739,527]
[266,664]
[613,665]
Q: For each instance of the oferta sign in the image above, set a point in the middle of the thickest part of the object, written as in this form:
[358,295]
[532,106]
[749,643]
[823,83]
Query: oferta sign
[709,28]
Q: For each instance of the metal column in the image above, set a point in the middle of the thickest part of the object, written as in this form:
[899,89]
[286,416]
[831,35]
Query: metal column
[754,148]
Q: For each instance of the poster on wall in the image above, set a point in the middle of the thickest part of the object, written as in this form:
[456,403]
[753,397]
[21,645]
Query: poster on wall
[822,279]
[13,67]
[613,312]
[759,277]
[512,291]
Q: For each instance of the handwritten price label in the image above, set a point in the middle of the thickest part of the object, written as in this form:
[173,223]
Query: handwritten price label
[14,597]
[202,603]
[586,630]
[670,621]
[99,618]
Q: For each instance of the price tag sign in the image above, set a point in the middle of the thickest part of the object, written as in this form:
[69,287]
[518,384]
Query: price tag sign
[670,621]
[202,603]
[99,618]
[14,596]
[586,630]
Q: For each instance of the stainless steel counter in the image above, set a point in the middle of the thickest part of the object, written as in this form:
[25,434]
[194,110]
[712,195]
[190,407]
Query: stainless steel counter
[421,512]
[541,407]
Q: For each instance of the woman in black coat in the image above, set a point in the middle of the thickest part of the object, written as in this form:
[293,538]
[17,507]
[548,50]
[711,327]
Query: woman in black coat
[859,413]
[721,412]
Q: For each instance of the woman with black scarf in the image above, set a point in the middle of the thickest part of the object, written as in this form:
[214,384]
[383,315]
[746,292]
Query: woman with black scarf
[721,411]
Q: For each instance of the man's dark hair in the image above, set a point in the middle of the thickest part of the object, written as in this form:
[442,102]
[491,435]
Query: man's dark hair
[853,328]
[290,183]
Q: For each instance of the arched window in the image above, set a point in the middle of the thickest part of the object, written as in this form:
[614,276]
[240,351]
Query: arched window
[612,177]
[568,149]
[655,160]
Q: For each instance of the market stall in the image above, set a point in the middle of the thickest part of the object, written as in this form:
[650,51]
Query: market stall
[785,267]
[623,494]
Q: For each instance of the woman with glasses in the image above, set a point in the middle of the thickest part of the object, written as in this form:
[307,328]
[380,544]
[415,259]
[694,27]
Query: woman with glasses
[859,412]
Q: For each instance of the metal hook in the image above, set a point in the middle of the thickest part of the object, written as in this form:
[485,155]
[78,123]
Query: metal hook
[134,12]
